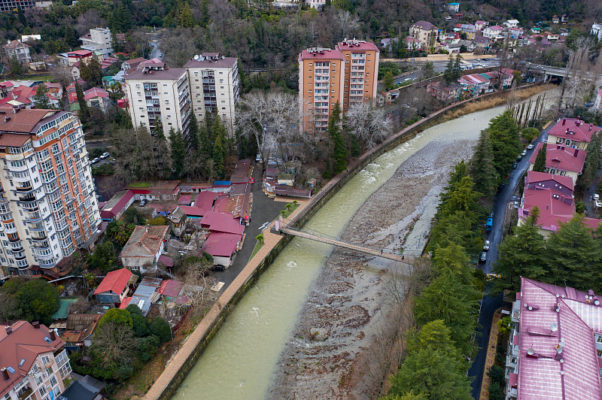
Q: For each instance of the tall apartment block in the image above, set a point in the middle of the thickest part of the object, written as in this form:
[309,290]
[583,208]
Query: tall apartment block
[361,72]
[98,40]
[348,75]
[321,83]
[14,5]
[157,93]
[214,86]
[48,206]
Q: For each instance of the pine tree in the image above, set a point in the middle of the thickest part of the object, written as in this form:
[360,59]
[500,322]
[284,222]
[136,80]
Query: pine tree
[40,99]
[523,254]
[162,154]
[339,150]
[178,153]
[482,169]
[84,113]
[91,71]
[575,256]
[448,74]
[457,69]
[540,160]
[504,136]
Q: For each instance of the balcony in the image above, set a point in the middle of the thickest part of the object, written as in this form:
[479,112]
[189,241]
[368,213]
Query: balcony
[24,393]
[25,188]
[27,197]
[39,237]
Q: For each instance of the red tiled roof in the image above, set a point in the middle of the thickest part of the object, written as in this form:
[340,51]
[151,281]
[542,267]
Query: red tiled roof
[535,176]
[321,54]
[114,281]
[552,210]
[222,222]
[194,211]
[574,129]
[113,208]
[125,303]
[204,200]
[26,121]
[424,25]
[79,53]
[94,93]
[222,244]
[170,288]
[574,373]
[21,347]
[356,45]
[561,157]
[145,241]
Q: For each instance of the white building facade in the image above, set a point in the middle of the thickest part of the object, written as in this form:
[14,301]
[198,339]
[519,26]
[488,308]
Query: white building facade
[158,94]
[98,40]
[48,205]
[214,86]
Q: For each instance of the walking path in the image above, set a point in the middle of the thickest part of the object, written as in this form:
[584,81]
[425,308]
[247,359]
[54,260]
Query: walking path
[491,351]
[191,343]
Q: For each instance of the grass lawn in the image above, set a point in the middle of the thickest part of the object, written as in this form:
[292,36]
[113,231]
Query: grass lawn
[290,207]
[139,184]
[258,246]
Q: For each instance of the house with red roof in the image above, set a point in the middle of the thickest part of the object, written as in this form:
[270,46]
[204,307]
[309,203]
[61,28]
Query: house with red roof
[97,98]
[33,362]
[555,346]
[217,222]
[79,56]
[561,160]
[115,286]
[116,206]
[144,247]
[572,132]
[222,247]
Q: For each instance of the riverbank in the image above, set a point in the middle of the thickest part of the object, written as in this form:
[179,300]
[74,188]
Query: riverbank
[333,351]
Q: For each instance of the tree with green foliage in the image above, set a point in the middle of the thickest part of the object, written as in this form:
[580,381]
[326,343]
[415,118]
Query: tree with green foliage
[428,70]
[482,169]
[504,136]
[160,328]
[119,232]
[522,254]
[575,256]
[116,316]
[84,112]
[448,74]
[339,150]
[31,300]
[457,68]
[91,71]
[178,153]
[406,396]
[40,100]
[204,10]
[16,68]
[529,134]
[388,80]
[592,163]
[540,159]
[104,257]
[220,146]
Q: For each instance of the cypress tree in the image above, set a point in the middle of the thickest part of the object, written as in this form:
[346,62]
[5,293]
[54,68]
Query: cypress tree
[540,160]
[482,168]
[84,113]
[178,153]
[339,150]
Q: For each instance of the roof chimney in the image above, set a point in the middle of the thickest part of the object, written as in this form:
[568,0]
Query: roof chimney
[5,374]
[52,335]
[576,152]
[36,324]
[563,121]
[9,330]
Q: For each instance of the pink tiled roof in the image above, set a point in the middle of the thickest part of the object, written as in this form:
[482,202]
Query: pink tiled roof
[562,157]
[552,210]
[125,303]
[204,200]
[194,211]
[114,281]
[79,53]
[221,244]
[165,260]
[185,199]
[542,375]
[113,208]
[222,222]
[170,288]
[94,93]
[356,45]
[574,129]
[535,176]
[323,54]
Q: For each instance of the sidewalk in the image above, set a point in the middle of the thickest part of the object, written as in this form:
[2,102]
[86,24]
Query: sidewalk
[191,343]
[491,351]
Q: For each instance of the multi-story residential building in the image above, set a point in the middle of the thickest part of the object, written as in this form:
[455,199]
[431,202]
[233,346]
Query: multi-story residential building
[34,363]
[555,346]
[98,40]
[157,95]
[321,86]
[18,50]
[361,72]
[214,86]
[572,132]
[426,33]
[561,160]
[48,206]
[14,5]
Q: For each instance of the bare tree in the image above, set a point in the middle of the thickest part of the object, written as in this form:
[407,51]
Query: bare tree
[369,125]
[347,23]
[272,119]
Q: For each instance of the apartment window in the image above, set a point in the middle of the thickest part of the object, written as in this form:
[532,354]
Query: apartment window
[223,108]
[166,101]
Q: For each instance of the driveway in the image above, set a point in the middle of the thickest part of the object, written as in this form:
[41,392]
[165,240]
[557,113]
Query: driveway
[491,303]
[264,210]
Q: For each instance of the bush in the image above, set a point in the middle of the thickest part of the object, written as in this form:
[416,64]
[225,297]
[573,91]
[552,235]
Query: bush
[160,328]
[529,134]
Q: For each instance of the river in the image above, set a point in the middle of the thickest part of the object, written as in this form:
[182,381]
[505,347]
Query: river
[242,359]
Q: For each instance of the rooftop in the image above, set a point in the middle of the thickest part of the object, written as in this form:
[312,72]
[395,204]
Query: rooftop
[561,157]
[574,129]
[321,53]
[222,222]
[211,60]
[424,25]
[222,244]
[25,121]
[114,282]
[145,241]
[557,343]
[354,44]
[20,344]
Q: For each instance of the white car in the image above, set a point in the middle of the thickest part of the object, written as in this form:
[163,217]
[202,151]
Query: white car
[530,146]
[104,155]
[95,160]
[524,153]
[486,245]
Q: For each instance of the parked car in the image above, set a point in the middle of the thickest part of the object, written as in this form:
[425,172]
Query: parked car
[514,165]
[104,155]
[530,146]
[524,153]
[520,157]
[489,223]
[95,160]
[486,245]
[483,257]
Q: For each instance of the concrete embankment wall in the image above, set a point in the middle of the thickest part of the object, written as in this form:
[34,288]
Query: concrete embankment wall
[183,361]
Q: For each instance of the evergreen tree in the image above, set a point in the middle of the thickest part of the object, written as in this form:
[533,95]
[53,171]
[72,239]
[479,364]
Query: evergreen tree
[523,254]
[162,154]
[575,256]
[482,169]
[91,71]
[504,136]
[592,163]
[193,134]
[540,160]
[457,68]
[178,153]
[448,74]
[339,150]
[388,80]
[84,113]
[220,147]
[204,18]
[40,99]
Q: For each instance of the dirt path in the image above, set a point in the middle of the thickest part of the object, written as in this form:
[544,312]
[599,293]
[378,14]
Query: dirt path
[332,352]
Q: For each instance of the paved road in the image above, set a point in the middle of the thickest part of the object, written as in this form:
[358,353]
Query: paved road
[491,303]
[264,210]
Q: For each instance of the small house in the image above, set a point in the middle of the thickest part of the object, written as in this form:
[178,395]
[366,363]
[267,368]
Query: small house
[114,287]
[142,250]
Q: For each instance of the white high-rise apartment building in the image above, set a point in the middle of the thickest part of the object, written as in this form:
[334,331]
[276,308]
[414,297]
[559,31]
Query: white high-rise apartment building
[98,40]
[214,86]
[157,93]
[48,205]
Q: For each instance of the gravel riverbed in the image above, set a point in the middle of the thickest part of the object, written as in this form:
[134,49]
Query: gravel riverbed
[331,353]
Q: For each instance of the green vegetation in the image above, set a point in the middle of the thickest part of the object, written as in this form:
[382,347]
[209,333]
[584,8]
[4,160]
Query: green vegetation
[290,207]
[339,149]
[387,67]
[123,341]
[103,170]
[592,163]
[140,185]
[453,70]
[571,256]
[528,134]
[540,159]
[31,300]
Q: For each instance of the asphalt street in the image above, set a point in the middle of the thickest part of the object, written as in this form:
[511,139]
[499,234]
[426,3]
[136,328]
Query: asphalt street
[491,303]
[264,210]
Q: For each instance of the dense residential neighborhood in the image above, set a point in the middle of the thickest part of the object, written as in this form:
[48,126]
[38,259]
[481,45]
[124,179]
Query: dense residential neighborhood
[300,199]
